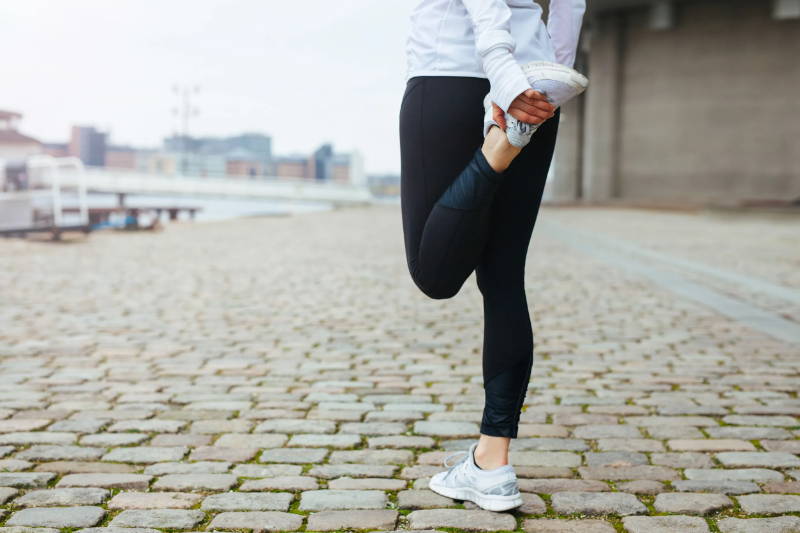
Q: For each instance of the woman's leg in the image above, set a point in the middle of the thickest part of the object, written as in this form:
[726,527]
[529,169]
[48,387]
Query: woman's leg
[447,181]
[508,339]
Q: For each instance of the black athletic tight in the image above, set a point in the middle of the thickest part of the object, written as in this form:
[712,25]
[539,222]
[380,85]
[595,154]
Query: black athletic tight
[460,216]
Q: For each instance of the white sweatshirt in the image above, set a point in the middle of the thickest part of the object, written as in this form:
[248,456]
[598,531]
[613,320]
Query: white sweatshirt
[491,39]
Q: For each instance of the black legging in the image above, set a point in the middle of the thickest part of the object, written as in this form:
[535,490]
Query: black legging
[459,216]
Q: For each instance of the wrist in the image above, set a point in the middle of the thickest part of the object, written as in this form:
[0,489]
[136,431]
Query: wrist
[506,77]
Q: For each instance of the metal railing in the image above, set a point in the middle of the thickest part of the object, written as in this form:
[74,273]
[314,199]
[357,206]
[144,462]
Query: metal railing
[42,204]
[128,181]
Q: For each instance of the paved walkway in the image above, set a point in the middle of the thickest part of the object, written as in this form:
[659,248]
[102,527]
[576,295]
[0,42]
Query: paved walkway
[284,374]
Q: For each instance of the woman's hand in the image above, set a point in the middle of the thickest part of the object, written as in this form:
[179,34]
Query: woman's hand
[531,107]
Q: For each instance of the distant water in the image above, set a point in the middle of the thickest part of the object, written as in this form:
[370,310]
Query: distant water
[212,208]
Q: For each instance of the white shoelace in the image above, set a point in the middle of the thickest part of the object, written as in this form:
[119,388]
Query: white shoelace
[454,454]
[455,467]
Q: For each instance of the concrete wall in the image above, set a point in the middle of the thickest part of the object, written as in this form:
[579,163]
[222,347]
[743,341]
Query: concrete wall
[711,108]
[707,111]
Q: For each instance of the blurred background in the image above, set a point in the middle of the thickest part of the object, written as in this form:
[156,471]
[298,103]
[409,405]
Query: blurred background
[239,91]
[286,106]
[690,102]
[276,356]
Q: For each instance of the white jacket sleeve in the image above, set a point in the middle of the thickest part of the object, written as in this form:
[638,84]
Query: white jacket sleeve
[564,27]
[491,21]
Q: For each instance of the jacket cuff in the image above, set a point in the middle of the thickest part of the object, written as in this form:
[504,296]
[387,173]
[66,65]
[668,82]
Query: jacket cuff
[506,77]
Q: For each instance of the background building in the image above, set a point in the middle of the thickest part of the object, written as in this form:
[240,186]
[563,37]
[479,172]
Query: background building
[15,147]
[248,154]
[322,163]
[690,101]
[122,157]
[325,165]
[292,166]
[89,145]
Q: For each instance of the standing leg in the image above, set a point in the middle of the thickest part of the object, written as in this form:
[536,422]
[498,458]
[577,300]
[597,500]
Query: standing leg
[508,339]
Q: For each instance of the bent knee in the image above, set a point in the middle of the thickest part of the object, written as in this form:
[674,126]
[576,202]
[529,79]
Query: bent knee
[435,291]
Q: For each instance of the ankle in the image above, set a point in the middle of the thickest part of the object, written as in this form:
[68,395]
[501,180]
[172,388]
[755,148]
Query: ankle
[499,153]
[486,460]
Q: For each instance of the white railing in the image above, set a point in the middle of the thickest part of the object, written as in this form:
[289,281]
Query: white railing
[121,181]
[40,204]
[60,174]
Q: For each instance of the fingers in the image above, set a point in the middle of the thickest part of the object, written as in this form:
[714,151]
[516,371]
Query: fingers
[526,117]
[535,99]
[531,107]
[499,116]
[531,115]
[542,109]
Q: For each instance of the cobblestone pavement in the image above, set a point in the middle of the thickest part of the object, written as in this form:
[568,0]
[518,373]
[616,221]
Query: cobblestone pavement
[284,374]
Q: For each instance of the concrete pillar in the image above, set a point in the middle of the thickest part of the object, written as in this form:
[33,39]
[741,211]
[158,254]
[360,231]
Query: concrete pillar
[564,185]
[602,111]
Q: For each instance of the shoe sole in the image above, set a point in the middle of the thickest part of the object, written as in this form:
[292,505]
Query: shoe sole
[484,501]
[559,72]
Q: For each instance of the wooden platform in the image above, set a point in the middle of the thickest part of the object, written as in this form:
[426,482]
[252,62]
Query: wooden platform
[132,214]
[99,217]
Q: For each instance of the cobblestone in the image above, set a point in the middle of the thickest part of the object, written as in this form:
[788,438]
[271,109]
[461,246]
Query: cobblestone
[146,454]
[739,474]
[200,467]
[781,524]
[641,486]
[113,529]
[422,499]
[597,503]
[691,503]
[76,496]
[181,482]
[757,459]
[333,520]
[655,473]
[280,483]
[25,479]
[348,483]
[6,493]
[549,486]
[355,470]
[243,501]
[721,486]
[471,520]
[159,518]
[682,460]
[324,500]
[770,503]
[51,453]
[294,380]
[77,516]
[258,521]
[115,481]
[664,524]
[566,526]
[710,445]
[293,455]
[154,500]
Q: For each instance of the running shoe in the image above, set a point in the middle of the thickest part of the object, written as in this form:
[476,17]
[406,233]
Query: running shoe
[557,82]
[492,490]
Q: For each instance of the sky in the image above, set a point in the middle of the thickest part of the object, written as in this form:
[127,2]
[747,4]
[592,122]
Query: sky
[303,71]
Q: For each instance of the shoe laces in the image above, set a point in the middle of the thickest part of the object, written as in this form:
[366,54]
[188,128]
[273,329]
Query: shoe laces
[446,461]
[457,466]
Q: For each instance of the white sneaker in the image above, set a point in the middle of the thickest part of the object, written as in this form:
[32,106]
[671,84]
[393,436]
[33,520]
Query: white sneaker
[557,82]
[493,490]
